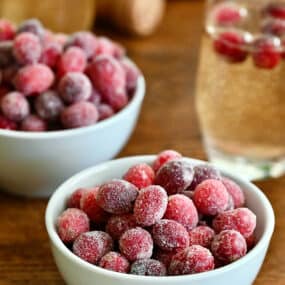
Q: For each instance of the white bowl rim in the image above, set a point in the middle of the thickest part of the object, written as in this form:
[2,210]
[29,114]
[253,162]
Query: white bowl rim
[136,99]
[263,241]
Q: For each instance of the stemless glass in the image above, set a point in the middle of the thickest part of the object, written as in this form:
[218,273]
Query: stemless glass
[240,92]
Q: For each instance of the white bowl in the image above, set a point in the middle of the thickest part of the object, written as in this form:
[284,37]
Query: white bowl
[34,164]
[76,271]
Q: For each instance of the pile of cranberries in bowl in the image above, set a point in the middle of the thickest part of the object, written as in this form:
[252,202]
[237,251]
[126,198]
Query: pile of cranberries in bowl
[168,218]
[253,29]
[51,81]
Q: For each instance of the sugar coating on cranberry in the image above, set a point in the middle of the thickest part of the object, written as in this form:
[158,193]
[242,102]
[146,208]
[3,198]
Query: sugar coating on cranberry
[203,172]
[109,79]
[211,197]
[7,124]
[182,210]
[84,40]
[228,13]
[48,105]
[150,205]
[72,60]
[115,261]
[74,199]
[228,246]
[7,30]
[235,192]
[201,235]
[33,123]
[33,79]
[164,157]
[95,98]
[27,48]
[117,196]
[79,114]
[15,106]
[175,176]
[266,52]
[132,75]
[136,244]
[242,220]
[106,46]
[88,204]
[148,267]
[71,223]
[51,53]
[33,26]
[164,256]
[141,175]
[231,45]
[118,224]
[169,235]
[193,259]
[92,246]
[105,111]
[75,87]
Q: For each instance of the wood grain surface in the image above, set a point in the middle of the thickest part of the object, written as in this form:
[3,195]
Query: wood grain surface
[168,120]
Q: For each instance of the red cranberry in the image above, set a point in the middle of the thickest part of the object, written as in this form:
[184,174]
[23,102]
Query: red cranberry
[51,53]
[115,261]
[33,26]
[7,30]
[74,199]
[231,45]
[33,123]
[7,124]
[201,235]
[275,10]
[105,111]
[235,192]
[164,157]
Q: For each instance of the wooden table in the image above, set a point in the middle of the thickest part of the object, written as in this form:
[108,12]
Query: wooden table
[168,120]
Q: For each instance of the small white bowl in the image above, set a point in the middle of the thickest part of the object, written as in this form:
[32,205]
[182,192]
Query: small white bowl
[34,164]
[76,271]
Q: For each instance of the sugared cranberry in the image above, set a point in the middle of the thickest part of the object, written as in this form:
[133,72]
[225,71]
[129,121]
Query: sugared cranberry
[203,172]
[150,205]
[74,87]
[235,192]
[74,199]
[78,115]
[164,256]
[117,196]
[193,259]
[169,235]
[33,26]
[118,224]
[105,111]
[60,38]
[95,98]
[92,246]
[88,204]
[242,220]
[48,105]
[27,48]
[51,53]
[274,27]
[7,124]
[33,123]
[164,157]
[228,13]
[211,197]
[15,106]
[228,246]
[115,261]
[109,79]
[136,244]
[148,267]
[84,40]
[175,176]
[182,210]
[72,60]
[201,235]
[35,78]
[231,45]
[71,223]
[7,30]
[266,52]
[107,47]
[141,175]
[132,75]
